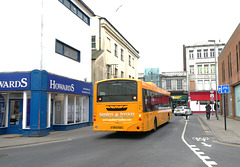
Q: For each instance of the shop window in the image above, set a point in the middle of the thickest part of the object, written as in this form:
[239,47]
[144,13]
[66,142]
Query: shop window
[3,105]
[59,109]
[77,109]
[79,103]
[71,108]
[85,109]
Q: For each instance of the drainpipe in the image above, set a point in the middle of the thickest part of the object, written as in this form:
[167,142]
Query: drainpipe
[100,33]
[41,45]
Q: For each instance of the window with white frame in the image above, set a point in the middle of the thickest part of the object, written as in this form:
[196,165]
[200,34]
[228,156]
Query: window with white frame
[199,54]
[129,60]
[219,51]
[206,85]
[206,71]
[205,53]
[200,85]
[108,44]
[168,84]
[115,50]
[122,74]
[199,69]
[191,54]
[93,42]
[122,54]
[212,68]
[191,69]
[116,73]
[213,85]
[108,71]
[179,84]
[133,63]
[212,53]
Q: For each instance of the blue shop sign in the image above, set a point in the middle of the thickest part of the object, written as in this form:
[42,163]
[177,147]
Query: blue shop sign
[66,85]
[14,81]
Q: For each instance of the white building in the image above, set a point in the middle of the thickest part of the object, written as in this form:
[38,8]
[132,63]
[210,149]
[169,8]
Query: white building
[176,83]
[199,62]
[45,67]
[113,56]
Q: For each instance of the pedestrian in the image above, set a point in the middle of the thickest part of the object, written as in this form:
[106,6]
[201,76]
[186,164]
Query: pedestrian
[216,106]
[208,109]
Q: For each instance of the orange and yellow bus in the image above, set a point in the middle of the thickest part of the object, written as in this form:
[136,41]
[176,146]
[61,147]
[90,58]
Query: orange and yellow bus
[130,105]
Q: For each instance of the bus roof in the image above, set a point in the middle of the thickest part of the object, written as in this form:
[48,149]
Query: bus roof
[146,85]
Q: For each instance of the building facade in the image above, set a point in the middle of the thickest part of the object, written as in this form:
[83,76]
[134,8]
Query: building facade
[200,64]
[229,74]
[152,75]
[112,55]
[45,74]
[176,83]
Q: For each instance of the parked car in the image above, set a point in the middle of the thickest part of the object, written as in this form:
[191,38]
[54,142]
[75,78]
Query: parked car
[182,110]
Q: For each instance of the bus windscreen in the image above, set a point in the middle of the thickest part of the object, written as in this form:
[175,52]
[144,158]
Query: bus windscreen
[117,91]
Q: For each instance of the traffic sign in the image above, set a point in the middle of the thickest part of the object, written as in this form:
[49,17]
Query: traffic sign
[220,89]
[223,89]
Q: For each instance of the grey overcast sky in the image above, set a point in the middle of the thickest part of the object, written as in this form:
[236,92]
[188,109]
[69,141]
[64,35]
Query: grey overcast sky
[158,29]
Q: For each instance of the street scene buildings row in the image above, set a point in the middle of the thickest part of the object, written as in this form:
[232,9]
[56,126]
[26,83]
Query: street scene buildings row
[48,70]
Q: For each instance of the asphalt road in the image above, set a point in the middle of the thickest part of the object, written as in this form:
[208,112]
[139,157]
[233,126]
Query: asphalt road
[178,143]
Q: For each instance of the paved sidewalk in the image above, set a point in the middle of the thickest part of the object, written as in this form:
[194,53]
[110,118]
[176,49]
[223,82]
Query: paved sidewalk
[15,140]
[231,135]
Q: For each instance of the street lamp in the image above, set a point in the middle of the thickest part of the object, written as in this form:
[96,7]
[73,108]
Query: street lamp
[215,75]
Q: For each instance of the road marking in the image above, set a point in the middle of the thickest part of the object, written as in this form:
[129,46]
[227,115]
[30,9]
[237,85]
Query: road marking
[226,144]
[203,126]
[200,155]
[206,145]
[200,138]
[35,144]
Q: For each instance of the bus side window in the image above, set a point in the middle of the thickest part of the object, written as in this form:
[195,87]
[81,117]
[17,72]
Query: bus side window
[145,100]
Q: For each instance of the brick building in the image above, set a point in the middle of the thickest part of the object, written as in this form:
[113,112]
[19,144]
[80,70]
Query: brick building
[229,74]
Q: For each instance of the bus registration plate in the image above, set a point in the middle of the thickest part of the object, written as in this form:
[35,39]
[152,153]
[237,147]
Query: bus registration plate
[116,127]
